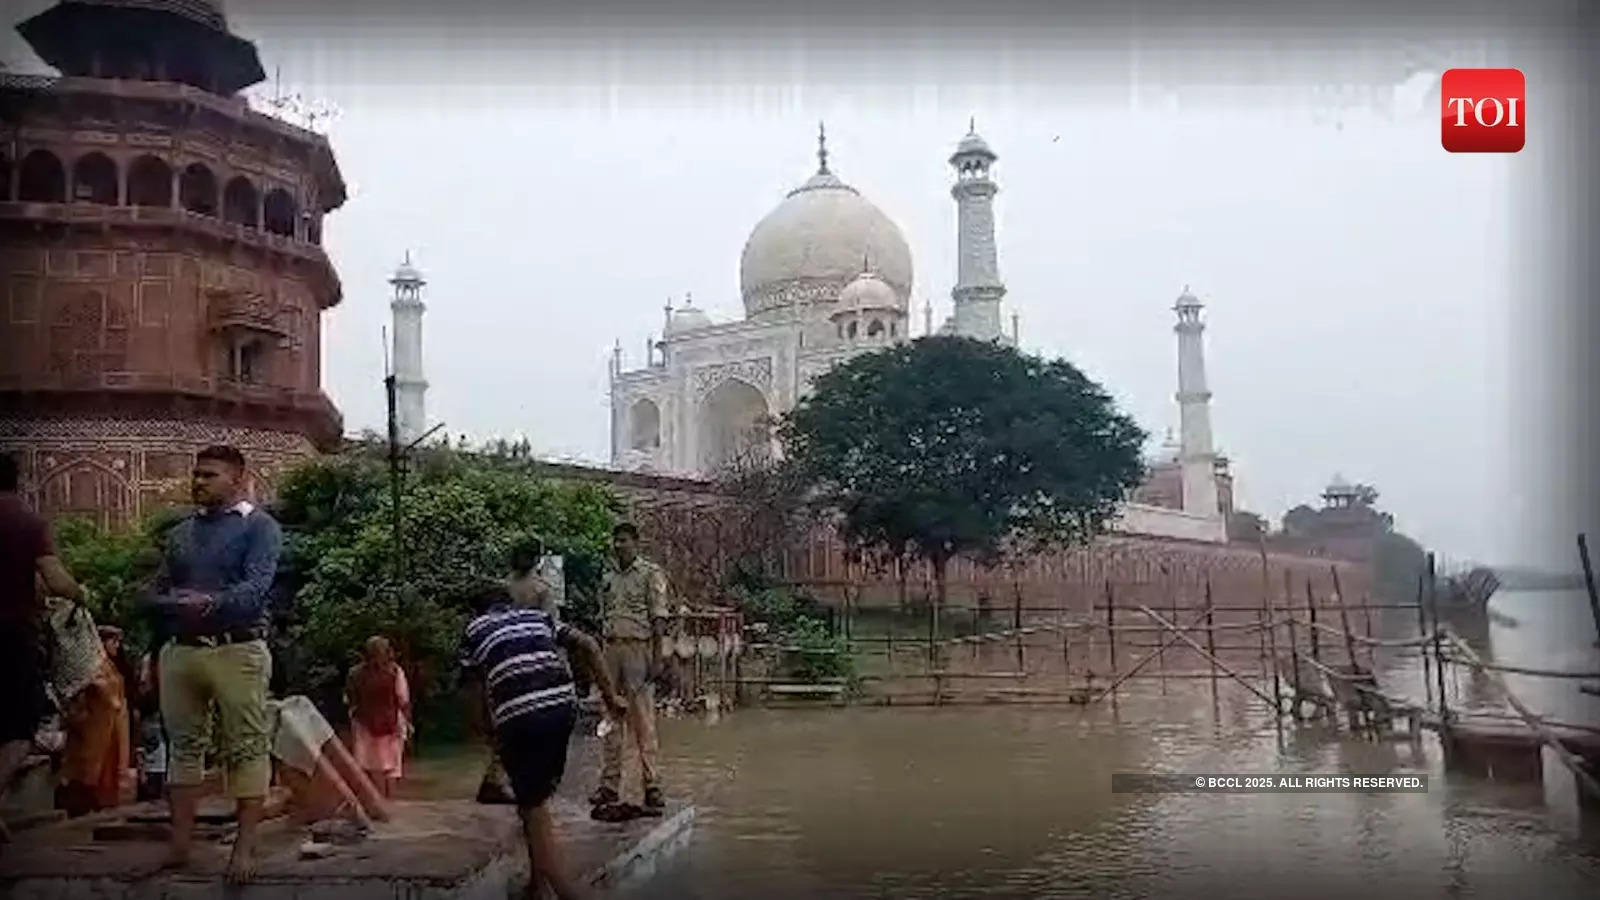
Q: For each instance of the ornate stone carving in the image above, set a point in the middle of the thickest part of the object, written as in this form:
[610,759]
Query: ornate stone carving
[758,372]
[116,470]
[807,291]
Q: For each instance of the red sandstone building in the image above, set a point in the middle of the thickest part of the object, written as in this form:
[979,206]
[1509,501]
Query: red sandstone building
[161,271]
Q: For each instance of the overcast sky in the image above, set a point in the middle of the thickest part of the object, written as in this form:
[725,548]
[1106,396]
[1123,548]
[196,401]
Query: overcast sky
[558,183]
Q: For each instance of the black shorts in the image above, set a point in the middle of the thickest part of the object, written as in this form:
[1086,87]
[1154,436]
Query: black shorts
[533,749]
[23,702]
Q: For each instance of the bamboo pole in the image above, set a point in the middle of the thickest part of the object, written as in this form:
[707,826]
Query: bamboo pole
[1201,650]
[1311,612]
[1588,583]
[1422,651]
[1016,617]
[1111,627]
[1211,638]
[1344,621]
[1172,636]
[1161,653]
[1438,646]
[1294,643]
[1269,638]
[1546,736]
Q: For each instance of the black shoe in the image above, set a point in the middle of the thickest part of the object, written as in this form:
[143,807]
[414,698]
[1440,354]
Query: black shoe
[653,800]
[603,796]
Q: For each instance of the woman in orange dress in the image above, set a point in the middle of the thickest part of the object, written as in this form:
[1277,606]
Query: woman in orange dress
[379,701]
[98,751]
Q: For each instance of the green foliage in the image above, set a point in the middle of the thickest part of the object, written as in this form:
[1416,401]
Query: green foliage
[796,621]
[116,566]
[461,516]
[949,446]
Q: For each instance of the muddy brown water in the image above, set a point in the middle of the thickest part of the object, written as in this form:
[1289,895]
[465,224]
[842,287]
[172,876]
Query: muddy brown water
[1015,801]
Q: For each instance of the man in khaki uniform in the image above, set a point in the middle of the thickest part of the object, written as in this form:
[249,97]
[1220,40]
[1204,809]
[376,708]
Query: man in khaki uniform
[633,615]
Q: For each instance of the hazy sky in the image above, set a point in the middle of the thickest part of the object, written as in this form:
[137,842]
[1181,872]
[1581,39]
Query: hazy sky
[558,184]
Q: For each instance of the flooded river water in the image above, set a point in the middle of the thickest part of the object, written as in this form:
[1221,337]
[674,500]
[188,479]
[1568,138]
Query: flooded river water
[1015,801]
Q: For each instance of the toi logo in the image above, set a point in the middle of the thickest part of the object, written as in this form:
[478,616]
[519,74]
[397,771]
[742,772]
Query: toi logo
[1483,110]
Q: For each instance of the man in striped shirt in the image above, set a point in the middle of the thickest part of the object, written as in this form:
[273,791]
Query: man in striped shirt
[510,652]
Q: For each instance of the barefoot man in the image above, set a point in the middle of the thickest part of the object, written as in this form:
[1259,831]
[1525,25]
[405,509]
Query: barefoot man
[210,600]
[509,654]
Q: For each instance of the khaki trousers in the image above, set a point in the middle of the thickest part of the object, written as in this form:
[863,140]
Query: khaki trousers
[234,676]
[628,662]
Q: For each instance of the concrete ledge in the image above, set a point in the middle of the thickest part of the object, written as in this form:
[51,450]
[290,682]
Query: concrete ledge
[638,861]
[452,850]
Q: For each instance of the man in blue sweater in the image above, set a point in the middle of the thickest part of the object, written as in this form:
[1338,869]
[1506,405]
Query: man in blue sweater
[210,603]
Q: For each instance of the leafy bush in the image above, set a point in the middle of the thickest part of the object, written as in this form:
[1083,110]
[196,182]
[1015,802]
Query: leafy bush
[460,516]
[115,566]
[338,584]
[798,622]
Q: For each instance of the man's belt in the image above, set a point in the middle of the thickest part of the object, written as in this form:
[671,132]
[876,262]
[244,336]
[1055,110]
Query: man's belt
[222,638]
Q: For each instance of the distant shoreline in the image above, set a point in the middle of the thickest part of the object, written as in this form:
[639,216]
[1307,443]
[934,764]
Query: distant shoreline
[1513,580]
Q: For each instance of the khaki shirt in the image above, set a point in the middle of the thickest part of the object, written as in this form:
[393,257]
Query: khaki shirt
[630,598]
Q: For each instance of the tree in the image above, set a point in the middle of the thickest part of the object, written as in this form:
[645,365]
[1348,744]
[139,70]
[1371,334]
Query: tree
[948,446]
[462,514]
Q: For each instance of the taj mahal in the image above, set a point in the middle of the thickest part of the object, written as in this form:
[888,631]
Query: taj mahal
[827,275]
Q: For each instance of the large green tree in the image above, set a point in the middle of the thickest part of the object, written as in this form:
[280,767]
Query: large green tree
[948,446]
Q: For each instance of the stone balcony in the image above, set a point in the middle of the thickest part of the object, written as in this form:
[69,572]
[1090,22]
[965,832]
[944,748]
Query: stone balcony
[229,311]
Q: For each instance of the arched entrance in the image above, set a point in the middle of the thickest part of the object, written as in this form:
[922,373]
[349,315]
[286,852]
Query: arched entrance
[733,426]
[644,426]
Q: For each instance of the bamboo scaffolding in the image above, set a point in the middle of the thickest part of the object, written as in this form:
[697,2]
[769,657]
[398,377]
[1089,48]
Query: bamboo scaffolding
[1535,723]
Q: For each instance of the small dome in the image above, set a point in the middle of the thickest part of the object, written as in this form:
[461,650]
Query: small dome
[868,292]
[973,145]
[688,318]
[406,273]
[1171,451]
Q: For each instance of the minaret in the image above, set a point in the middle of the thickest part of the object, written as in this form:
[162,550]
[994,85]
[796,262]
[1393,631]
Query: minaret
[978,289]
[410,387]
[1195,454]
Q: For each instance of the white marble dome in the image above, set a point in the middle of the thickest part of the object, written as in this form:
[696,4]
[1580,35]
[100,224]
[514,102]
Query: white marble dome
[868,292]
[807,249]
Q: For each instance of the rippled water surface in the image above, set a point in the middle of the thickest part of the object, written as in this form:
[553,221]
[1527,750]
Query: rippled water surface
[1015,801]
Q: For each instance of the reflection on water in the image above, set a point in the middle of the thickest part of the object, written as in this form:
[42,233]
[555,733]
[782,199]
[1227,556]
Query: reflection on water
[1015,801]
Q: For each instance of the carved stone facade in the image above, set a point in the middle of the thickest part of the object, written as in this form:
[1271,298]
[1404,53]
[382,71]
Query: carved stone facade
[755,372]
[116,471]
[162,278]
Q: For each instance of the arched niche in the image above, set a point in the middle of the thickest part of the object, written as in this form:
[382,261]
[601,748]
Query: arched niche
[150,182]
[732,425]
[644,425]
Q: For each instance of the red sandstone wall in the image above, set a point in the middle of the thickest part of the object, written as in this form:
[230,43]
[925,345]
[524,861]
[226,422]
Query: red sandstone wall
[114,311]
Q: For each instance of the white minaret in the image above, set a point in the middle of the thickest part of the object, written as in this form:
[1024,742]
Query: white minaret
[978,289]
[410,388]
[1195,453]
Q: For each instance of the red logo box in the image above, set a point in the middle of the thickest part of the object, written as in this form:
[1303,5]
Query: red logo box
[1483,110]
